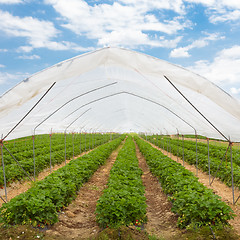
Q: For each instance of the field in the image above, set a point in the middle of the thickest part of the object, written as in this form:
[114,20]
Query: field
[111,186]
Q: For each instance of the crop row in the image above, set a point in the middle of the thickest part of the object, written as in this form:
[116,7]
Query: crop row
[214,151]
[123,202]
[42,160]
[41,203]
[43,145]
[223,170]
[195,204]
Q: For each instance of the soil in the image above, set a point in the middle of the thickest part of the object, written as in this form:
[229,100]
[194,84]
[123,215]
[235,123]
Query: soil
[79,220]
[19,187]
[218,188]
[161,221]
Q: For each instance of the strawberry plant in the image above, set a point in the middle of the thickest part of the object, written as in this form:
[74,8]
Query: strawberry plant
[195,204]
[42,202]
[123,202]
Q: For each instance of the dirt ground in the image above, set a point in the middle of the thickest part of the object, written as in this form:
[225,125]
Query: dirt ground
[19,187]
[78,220]
[218,188]
[161,221]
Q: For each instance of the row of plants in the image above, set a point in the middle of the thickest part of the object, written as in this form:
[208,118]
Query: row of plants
[195,204]
[222,171]
[42,144]
[13,171]
[123,201]
[214,150]
[43,201]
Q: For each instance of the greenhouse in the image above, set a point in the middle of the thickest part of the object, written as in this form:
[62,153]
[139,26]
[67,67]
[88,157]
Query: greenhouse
[91,103]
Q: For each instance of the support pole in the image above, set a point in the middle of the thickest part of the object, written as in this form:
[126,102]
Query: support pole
[197,109]
[85,142]
[17,162]
[178,147]
[232,173]
[183,148]
[73,143]
[170,147]
[34,160]
[80,141]
[65,148]
[167,146]
[3,166]
[50,151]
[209,164]
[196,155]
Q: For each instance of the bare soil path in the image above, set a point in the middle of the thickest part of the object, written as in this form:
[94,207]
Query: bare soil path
[78,221]
[161,221]
[19,187]
[218,188]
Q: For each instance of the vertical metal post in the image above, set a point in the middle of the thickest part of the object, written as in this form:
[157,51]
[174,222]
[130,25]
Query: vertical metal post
[89,139]
[170,147]
[95,143]
[73,143]
[232,172]
[209,165]
[178,148]
[80,141]
[157,140]
[50,152]
[4,175]
[85,142]
[65,148]
[167,145]
[93,139]
[183,147]
[163,143]
[34,161]
[146,136]
[196,155]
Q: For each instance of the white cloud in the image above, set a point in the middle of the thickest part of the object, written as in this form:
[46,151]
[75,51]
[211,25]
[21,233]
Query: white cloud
[182,52]
[123,23]
[25,49]
[2,66]
[39,33]
[224,70]
[31,57]
[11,79]
[235,91]
[179,53]
[226,16]
[220,10]
[11,1]
[3,50]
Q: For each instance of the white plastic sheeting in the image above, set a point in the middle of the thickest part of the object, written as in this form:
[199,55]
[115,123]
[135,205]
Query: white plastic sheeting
[118,90]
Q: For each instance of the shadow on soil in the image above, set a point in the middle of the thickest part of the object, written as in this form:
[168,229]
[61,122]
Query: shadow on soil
[123,233]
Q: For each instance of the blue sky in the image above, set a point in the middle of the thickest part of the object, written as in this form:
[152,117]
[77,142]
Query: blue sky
[201,35]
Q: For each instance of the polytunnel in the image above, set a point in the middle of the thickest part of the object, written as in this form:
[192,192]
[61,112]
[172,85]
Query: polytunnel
[118,90]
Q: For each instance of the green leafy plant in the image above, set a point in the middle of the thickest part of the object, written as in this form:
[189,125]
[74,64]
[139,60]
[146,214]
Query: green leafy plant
[41,203]
[123,202]
[194,204]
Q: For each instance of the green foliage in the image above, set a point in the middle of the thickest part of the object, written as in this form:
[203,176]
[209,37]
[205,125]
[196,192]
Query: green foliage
[216,155]
[41,203]
[123,202]
[195,204]
[23,152]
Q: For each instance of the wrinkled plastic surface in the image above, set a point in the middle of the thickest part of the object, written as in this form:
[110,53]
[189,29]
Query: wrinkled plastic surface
[118,90]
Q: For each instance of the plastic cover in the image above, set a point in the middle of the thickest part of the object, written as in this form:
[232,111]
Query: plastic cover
[119,90]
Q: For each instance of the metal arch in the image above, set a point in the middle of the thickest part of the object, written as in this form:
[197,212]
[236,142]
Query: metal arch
[135,95]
